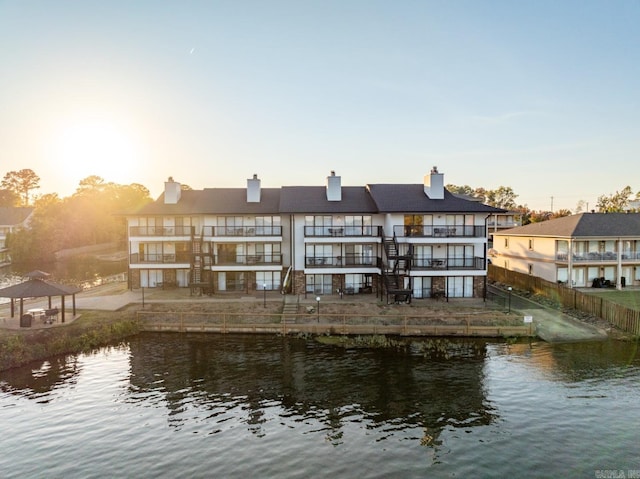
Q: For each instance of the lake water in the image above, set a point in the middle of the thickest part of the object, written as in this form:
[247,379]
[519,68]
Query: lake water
[170,405]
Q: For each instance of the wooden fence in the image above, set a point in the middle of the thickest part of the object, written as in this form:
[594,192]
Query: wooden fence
[624,318]
[324,324]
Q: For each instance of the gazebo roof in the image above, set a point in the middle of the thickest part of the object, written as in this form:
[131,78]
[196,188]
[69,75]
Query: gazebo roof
[35,288]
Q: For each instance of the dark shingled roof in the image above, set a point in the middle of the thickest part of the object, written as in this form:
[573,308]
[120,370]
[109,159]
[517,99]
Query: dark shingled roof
[36,288]
[313,199]
[381,198]
[411,199]
[223,201]
[583,225]
[10,215]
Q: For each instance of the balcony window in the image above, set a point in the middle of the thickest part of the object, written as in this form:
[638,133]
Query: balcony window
[269,278]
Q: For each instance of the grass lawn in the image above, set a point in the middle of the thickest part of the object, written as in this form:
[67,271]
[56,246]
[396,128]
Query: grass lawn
[628,298]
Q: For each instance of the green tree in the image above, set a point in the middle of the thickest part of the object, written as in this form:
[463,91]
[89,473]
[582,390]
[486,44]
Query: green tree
[503,197]
[44,236]
[92,215]
[9,198]
[561,213]
[615,203]
[460,190]
[21,183]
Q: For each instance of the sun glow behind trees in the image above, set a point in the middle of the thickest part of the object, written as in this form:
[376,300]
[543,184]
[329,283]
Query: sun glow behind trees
[96,146]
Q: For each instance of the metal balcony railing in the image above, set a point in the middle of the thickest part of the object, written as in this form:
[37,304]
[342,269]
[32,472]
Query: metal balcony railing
[242,231]
[159,258]
[470,263]
[343,231]
[248,259]
[346,261]
[421,231]
[161,230]
[597,257]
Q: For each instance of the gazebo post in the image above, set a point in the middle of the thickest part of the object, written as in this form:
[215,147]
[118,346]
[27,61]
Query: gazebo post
[21,306]
[74,305]
[49,301]
[13,307]
[63,308]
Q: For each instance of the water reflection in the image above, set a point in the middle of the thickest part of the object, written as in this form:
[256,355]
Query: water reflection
[576,362]
[38,379]
[387,390]
[235,406]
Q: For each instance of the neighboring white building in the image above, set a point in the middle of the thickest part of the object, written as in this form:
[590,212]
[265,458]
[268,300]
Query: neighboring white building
[501,221]
[580,250]
[414,240]
[11,219]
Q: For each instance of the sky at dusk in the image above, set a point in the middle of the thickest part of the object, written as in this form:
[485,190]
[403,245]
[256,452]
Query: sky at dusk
[540,96]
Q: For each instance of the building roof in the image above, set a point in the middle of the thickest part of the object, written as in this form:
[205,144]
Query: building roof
[14,215]
[223,201]
[599,225]
[370,199]
[313,199]
[390,198]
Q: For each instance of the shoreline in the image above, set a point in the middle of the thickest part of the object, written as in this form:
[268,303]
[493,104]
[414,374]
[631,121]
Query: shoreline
[110,313]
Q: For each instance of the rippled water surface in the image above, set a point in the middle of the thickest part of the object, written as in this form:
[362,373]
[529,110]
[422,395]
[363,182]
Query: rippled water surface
[168,405]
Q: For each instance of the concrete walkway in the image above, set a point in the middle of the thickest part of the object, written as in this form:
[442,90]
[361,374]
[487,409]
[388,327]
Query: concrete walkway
[552,325]
[549,324]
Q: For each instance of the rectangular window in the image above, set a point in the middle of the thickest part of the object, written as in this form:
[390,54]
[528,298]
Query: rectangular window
[357,225]
[267,280]
[266,253]
[229,226]
[530,244]
[422,256]
[460,287]
[318,283]
[268,225]
[460,256]
[318,254]
[530,267]
[318,225]
[422,287]
[359,254]
[413,225]
[506,242]
[563,275]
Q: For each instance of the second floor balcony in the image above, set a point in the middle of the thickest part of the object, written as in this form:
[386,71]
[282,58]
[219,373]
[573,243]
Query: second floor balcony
[160,258]
[343,231]
[242,231]
[161,231]
[248,259]
[468,263]
[346,261]
[442,231]
[594,257]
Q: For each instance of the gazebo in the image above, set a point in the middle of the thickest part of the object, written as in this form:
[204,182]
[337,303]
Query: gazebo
[37,287]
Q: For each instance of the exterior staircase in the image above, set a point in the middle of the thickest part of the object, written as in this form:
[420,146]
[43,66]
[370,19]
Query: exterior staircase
[394,269]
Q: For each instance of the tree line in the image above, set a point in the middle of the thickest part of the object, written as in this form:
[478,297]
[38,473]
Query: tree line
[504,197]
[94,213]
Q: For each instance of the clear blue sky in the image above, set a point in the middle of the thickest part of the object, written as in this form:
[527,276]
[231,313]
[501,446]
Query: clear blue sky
[540,96]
